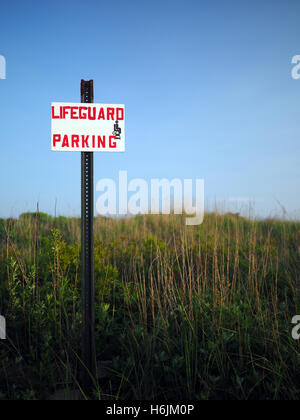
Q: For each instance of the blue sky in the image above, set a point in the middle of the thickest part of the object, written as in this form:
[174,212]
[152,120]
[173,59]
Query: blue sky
[207,87]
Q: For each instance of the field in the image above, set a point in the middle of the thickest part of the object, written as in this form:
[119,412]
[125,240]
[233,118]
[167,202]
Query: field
[181,312]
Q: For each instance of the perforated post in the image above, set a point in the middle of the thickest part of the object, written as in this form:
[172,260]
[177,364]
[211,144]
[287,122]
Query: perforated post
[87,252]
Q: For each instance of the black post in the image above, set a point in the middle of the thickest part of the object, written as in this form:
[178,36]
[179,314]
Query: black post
[87,253]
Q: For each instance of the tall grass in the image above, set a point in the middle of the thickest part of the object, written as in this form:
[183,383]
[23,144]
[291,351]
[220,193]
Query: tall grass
[182,312]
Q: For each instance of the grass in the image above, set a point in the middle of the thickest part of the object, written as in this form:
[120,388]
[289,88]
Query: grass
[182,312]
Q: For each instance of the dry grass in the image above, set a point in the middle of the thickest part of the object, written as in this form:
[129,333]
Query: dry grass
[183,312]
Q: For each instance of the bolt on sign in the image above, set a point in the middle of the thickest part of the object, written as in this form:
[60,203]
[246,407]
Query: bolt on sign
[87,127]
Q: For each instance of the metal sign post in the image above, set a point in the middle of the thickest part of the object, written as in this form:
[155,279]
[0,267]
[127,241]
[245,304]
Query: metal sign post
[87,252]
[87,128]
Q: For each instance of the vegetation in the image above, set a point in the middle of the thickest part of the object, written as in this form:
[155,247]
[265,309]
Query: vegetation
[182,312]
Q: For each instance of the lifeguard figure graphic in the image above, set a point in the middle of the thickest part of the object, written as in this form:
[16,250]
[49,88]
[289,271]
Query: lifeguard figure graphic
[117,130]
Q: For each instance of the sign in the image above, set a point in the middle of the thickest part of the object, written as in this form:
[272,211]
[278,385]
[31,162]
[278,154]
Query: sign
[87,127]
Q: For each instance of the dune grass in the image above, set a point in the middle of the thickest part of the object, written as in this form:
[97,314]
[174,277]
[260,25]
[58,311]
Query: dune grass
[181,312]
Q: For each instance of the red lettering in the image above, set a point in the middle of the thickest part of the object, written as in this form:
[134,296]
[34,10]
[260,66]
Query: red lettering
[120,114]
[56,139]
[92,116]
[101,115]
[66,110]
[75,140]
[65,142]
[101,142]
[110,113]
[73,113]
[53,114]
[112,145]
[82,116]
[85,141]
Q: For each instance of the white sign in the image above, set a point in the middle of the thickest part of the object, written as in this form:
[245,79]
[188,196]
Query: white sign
[87,127]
